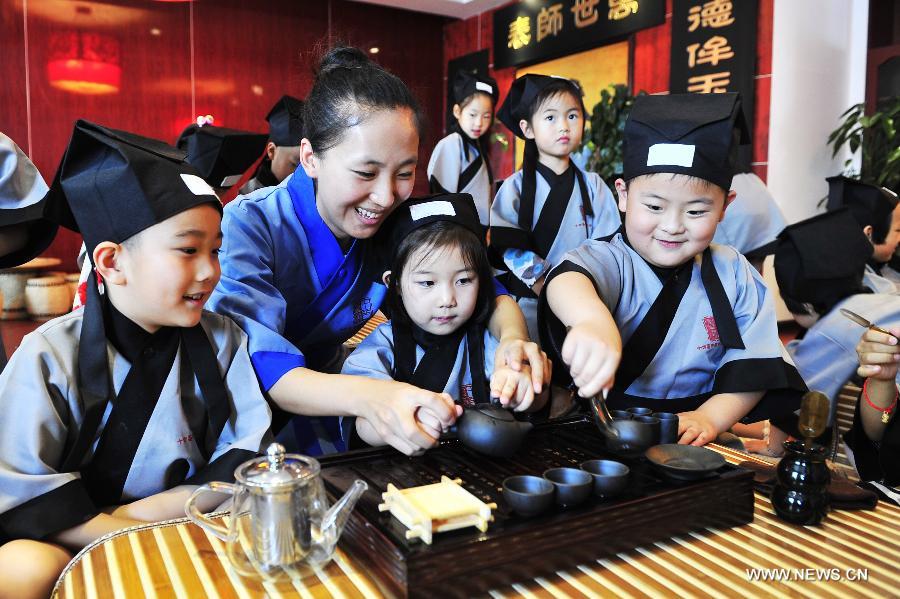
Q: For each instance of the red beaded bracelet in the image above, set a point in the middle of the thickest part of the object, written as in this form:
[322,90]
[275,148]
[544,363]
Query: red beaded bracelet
[885,412]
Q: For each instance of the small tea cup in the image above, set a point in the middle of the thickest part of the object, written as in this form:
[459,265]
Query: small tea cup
[573,486]
[528,495]
[610,477]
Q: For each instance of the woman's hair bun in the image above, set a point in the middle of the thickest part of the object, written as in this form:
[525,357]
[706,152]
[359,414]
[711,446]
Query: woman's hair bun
[342,57]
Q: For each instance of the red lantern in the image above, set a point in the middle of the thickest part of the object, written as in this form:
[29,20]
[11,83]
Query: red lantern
[84,63]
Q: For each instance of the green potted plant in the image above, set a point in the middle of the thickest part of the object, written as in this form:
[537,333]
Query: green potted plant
[875,135]
[603,140]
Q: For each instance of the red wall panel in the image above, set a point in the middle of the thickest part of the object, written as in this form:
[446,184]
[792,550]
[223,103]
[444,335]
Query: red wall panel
[227,58]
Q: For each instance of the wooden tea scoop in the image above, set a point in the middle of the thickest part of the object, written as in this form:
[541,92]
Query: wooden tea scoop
[863,322]
[814,409]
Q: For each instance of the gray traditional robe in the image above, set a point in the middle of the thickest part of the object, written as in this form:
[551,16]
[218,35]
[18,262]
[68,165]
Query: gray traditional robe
[41,413]
[528,265]
[449,161]
[374,357]
[689,360]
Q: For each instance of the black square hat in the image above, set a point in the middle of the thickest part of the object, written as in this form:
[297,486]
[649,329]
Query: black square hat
[414,213]
[821,260]
[112,184]
[869,204]
[521,96]
[22,193]
[689,134]
[465,84]
[221,155]
[286,122]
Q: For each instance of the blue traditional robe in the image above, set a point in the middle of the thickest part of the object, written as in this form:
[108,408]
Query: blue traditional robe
[297,295]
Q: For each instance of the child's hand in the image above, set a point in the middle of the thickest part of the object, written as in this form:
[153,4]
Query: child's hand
[513,389]
[394,417]
[431,424]
[592,357]
[879,354]
[695,428]
[524,356]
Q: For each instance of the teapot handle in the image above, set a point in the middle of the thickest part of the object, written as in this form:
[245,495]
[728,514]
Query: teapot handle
[201,520]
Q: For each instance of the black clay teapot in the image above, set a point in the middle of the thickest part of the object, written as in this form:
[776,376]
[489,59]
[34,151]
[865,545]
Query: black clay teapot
[491,430]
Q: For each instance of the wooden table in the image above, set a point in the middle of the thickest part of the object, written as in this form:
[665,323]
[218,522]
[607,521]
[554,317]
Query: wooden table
[852,554]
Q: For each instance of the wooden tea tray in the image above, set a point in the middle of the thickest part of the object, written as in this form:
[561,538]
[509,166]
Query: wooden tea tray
[464,562]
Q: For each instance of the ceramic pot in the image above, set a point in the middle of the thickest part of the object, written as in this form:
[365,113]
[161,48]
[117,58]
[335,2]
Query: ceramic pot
[47,297]
[800,493]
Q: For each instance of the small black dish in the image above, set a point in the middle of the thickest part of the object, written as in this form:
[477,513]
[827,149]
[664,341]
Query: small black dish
[610,477]
[528,495]
[685,462]
[573,486]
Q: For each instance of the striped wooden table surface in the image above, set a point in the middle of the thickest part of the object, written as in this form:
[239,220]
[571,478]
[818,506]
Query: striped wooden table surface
[852,554]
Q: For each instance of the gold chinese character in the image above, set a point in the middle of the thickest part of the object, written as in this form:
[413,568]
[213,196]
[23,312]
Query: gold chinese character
[714,50]
[549,21]
[619,9]
[585,12]
[715,13]
[519,33]
[716,83]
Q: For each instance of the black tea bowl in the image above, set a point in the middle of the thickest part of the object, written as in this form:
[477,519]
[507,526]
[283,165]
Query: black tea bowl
[653,423]
[620,415]
[639,411]
[573,486]
[527,495]
[610,477]
[634,437]
[668,427]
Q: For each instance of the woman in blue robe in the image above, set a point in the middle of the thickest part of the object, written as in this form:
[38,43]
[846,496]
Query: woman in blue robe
[300,276]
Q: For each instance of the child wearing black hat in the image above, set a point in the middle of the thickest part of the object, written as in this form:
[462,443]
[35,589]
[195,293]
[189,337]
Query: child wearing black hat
[459,162]
[550,206]
[697,321]
[283,148]
[111,414]
[440,295]
[821,267]
[877,211]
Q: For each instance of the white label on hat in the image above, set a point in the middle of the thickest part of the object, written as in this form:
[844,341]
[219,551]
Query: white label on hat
[484,87]
[420,211]
[198,186]
[231,180]
[671,155]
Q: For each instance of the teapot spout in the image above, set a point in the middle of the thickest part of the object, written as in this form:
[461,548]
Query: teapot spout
[336,517]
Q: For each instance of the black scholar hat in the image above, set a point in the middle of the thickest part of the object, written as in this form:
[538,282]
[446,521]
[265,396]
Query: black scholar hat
[465,84]
[869,204]
[689,134]
[221,155]
[521,96]
[286,122]
[821,260]
[113,184]
[414,213]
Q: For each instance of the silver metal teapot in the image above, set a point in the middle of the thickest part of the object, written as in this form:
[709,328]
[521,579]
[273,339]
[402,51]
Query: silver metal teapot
[280,525]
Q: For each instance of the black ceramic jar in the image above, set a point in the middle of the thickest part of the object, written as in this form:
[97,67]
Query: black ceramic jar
[800,494]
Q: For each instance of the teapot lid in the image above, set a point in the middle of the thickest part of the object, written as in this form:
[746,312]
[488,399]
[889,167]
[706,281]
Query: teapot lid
[277,468]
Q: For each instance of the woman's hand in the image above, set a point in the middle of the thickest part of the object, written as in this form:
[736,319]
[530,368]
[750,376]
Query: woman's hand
[410,419]
[879,354]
